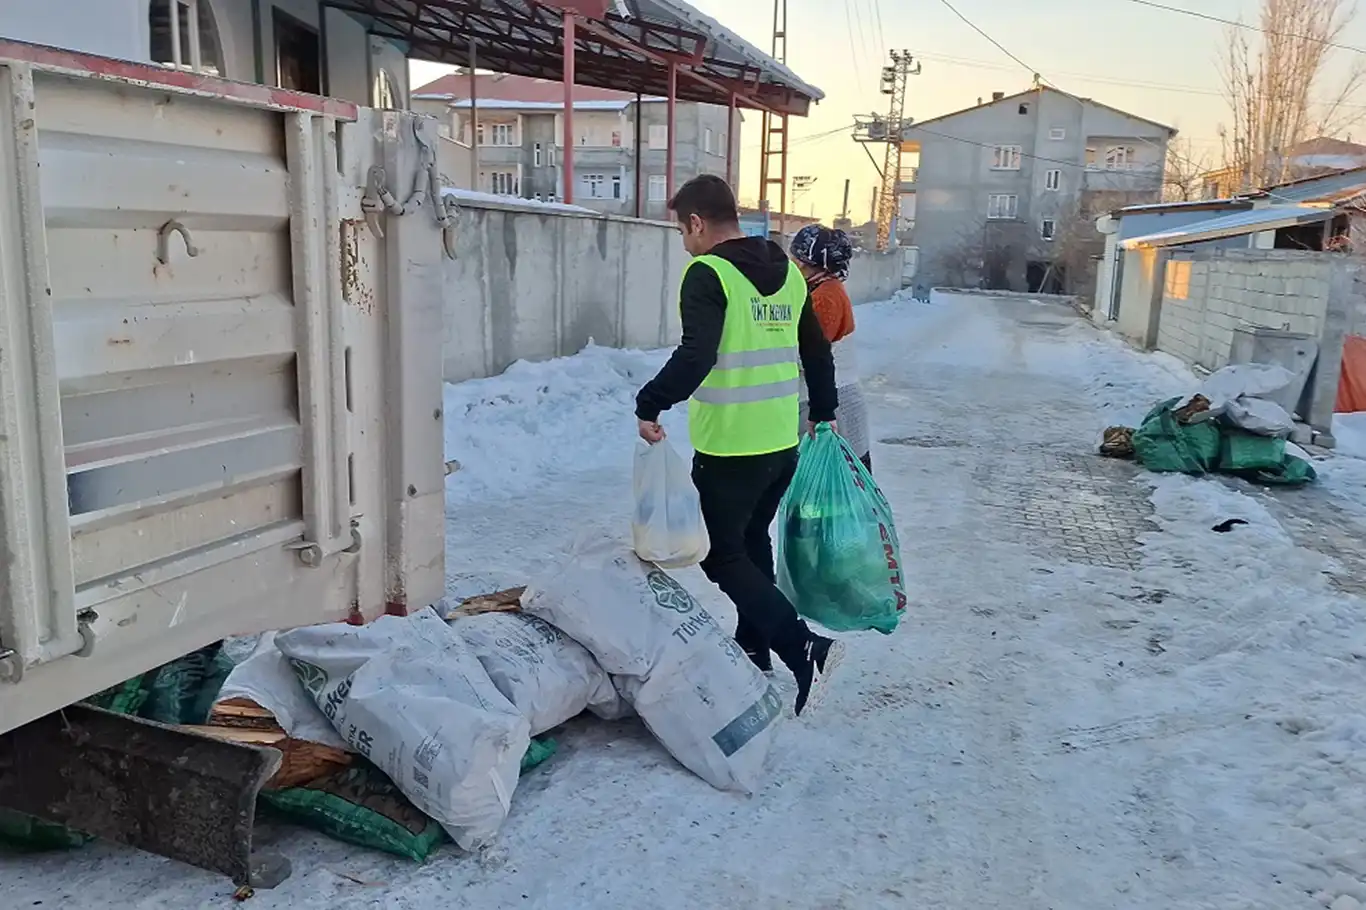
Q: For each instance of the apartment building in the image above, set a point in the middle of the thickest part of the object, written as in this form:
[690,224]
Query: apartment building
[620,151]
[1005,194]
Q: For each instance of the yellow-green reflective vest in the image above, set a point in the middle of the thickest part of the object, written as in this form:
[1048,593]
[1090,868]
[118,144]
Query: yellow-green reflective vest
[747,405]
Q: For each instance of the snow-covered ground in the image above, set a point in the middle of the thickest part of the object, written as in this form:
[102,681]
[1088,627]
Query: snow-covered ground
[1041,733]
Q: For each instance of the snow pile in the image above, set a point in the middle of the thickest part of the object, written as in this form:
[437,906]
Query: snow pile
[1046,732]
[539,423]
[478,198]
[1350,432]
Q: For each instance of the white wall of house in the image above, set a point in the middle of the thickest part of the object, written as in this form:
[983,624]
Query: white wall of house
[119,28]
[110,28]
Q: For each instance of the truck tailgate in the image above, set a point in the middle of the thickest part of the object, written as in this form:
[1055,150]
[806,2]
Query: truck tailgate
[206,415]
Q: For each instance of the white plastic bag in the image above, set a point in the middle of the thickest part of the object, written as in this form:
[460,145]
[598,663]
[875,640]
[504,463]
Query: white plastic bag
[690,682]
[667,528]
[549,677]
[1260,416]
[408,694]
[1241,380]
[265,678]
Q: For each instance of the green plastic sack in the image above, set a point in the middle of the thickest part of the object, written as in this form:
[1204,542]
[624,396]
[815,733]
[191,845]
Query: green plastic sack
[1292,472]
[1241,451]
[361,806]
[183,691]
[27,834]
[1165,445]
[839,560]
[540,751]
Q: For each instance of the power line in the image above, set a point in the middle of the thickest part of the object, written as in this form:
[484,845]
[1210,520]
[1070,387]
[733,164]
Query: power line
[815,137]
[881,35]
[853,52]
[1039,79]
[999,46]
[1243,25]
[1106,80]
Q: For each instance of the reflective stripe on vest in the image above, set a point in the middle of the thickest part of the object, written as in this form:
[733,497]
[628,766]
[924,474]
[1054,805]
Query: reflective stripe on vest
[747,405]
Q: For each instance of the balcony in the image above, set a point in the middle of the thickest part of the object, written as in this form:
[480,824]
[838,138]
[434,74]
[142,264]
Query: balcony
[907,179]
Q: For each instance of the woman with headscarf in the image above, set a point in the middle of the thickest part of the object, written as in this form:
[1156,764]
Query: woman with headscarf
[823,255]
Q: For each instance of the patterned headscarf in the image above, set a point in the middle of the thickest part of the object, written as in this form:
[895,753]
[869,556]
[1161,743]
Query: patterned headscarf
[826,249]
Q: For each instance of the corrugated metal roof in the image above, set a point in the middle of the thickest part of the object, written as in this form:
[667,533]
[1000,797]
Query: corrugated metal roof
[1237,224]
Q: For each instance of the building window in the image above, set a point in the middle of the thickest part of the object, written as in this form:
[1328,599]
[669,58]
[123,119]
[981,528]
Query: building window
[382,93]
[298,55]
[503,183]
[1047,228]
[707,137]
[1057,133]
[536,155]
[497,134]
[184,36]
[616,187]
[659,136]
[616,139]
[596,185]
[1001,206]
[721,147]
[1177,283]
[659,188]
[1052,180]
[1005,158]
[1119,157]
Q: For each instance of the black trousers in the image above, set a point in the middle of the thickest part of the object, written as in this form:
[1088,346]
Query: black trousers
[740,497]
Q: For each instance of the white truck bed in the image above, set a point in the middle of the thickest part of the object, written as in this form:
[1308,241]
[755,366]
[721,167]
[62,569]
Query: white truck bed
[220,395]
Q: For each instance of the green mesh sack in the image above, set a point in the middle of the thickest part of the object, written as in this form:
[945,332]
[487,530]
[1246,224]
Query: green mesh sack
[839,560]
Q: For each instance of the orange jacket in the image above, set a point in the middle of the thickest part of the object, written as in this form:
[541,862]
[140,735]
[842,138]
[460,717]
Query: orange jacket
[834,310]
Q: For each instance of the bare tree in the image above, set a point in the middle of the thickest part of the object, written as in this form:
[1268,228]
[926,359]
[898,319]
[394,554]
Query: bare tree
[1184,178]
[1271,90]
[959,263]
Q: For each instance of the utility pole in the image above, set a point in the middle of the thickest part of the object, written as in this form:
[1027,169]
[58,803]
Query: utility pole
[894,79]
[844,212]
[800,186]
[773,129]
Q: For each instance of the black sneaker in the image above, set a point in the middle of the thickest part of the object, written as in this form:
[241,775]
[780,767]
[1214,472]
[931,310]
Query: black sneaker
[761,659]
[821,657]
[754,647]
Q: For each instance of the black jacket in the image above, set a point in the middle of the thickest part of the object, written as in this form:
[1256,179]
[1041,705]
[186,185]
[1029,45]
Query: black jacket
[702,300]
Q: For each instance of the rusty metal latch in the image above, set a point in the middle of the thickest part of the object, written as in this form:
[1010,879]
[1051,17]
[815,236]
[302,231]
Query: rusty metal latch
[164,241]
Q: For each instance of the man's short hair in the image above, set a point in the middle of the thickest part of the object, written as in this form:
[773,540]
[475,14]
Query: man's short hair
[709,198]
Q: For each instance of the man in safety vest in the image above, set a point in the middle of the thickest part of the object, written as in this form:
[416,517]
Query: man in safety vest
[746,325]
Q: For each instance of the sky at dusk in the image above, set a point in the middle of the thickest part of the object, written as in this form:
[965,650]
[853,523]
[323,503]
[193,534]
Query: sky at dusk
[1157,64]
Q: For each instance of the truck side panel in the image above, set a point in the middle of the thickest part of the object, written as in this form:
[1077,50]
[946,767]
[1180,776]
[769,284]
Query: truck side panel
[196,377]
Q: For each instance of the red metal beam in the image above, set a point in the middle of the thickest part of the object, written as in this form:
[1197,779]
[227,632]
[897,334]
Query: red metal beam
[671,154]
[527,42]
[730,140]
[593,9]
[567,169]
[667,59]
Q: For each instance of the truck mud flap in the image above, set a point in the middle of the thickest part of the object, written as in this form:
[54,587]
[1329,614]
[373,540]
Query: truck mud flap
[160,789]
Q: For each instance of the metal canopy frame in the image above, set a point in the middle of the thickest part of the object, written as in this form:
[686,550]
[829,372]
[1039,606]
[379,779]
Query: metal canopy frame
[643,52]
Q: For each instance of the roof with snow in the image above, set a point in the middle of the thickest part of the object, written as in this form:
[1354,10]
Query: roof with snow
[502,91]
[627,45]
[1253,221]
[1171,131]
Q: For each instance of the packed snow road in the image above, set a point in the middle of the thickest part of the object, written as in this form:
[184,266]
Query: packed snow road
[1095,701]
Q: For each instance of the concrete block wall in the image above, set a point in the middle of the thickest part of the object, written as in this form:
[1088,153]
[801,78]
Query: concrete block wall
[875,276]
[1181,329]
[531,283]
[1279,289]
